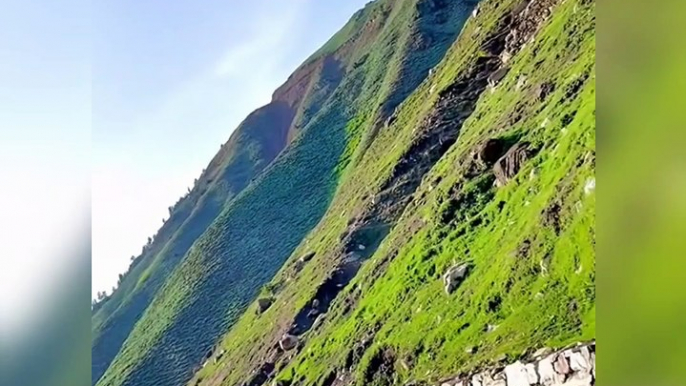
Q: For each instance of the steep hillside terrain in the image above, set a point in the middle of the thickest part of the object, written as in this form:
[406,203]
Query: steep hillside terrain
[463,236]
[360,72]
[416,205]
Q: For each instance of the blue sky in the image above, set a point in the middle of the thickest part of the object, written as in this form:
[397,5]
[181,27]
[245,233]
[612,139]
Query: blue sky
[170,81]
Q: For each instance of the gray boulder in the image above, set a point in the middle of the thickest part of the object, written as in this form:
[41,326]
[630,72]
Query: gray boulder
[454,277]
[263,304]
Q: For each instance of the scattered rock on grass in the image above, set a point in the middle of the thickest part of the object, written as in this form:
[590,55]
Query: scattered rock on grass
[288,342]
[454,277]
[263,304]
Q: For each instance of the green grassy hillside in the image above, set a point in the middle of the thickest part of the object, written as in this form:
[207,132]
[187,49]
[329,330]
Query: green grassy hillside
[258,229]
[490,162]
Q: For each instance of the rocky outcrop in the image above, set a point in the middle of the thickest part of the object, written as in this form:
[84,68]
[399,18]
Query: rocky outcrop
[570,367]
[490,151]
[509,165]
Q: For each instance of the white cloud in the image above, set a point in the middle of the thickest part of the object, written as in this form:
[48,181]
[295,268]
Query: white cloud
[272,32]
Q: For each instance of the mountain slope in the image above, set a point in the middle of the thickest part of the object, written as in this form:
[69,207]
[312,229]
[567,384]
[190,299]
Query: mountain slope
[250,149]
[362,74]
[486,172]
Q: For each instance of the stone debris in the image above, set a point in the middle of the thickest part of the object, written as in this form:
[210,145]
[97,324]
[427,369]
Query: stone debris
[491,328]
[580,360]
[497,379]
[590,186]
[570,367]
[561,365]
[547,374]
[519,374]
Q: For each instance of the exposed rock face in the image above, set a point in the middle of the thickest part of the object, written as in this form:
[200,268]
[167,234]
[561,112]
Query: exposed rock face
[490,151]
[288,342]
[263,304]
[454,277]
[510,164]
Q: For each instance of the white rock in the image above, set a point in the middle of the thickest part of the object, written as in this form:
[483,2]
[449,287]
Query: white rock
[544,269]
[580,361]
[590,186]
[531,373]
[496,380]
[454,277]
[476,380]
[288,342]
[516,375]
[579,379]
[548,376]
